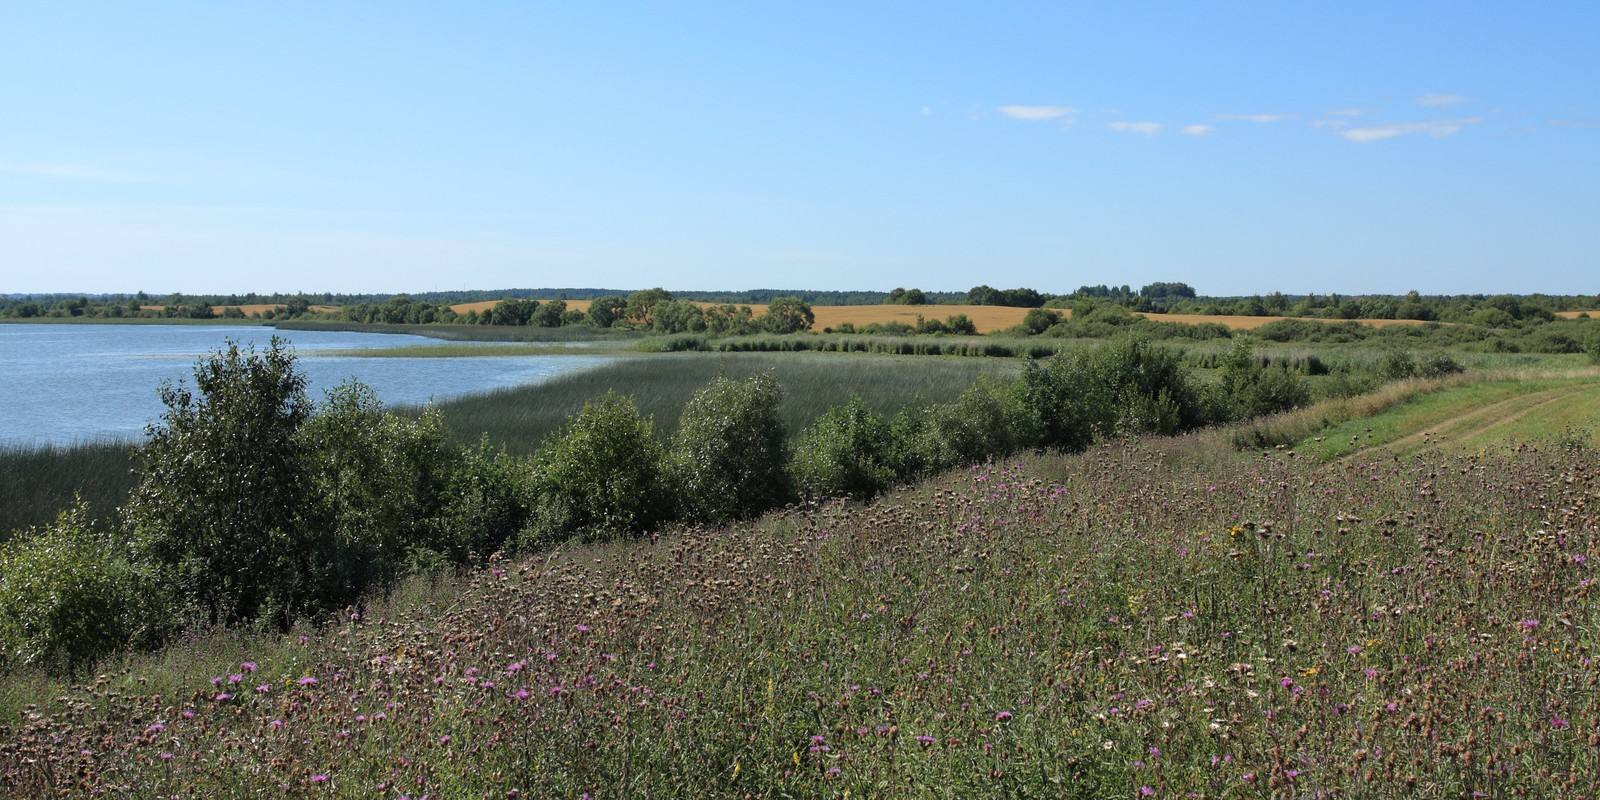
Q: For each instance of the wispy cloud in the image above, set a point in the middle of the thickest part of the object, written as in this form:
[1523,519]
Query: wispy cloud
[1260,118]
[1437,99]
[1145,128]
[70,171]
[1330,123]
[1437,129]
[1037,113]
[1197,130]
[1575,123]
[1346,112]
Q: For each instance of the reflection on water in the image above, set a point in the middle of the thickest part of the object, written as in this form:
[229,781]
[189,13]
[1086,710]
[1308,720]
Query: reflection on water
[66,383]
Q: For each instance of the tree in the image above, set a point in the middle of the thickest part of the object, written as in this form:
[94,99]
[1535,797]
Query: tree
[1039,320]
[549,314]
[788,315]
[727,457]
[641,305]
[379,483]
[677,316]
[221,506]
[605,311]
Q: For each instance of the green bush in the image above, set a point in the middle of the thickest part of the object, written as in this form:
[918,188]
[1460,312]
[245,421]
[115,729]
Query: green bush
[982,423]
[70,595]
[599,476]
[1250,389]
[379,483]
[224,502]
[847,452]
[488,502]
[726,459]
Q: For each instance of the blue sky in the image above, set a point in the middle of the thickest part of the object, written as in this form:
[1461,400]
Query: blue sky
[1447,147]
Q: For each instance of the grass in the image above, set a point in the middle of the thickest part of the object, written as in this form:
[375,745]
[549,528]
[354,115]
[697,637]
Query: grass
[1143,619]
[36,484]
[519,418]
[1469,417]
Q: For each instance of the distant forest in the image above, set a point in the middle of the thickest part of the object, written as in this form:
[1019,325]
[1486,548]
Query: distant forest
[1167,297]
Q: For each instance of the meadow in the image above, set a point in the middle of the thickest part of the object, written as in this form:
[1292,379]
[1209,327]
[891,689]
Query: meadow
[1162,617]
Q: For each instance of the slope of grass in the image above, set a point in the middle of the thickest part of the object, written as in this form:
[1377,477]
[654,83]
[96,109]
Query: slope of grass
[1469,417]
[1138,621]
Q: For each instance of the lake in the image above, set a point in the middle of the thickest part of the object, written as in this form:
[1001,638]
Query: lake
[70,383]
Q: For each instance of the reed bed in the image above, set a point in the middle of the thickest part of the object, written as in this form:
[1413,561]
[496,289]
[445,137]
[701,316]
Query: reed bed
[520,418]
[38,483]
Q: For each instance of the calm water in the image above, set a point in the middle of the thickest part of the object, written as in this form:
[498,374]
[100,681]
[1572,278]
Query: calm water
[67,383]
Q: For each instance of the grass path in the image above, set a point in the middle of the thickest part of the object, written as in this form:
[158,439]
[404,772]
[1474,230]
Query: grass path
[1469,418]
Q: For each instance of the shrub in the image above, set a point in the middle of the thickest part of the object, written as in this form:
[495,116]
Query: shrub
[727,457]
[599,476]
[1437,365]
[847,452]
[222,506]
[379,481]
[1397,365]
[70,595]
[488,501]
[981,424]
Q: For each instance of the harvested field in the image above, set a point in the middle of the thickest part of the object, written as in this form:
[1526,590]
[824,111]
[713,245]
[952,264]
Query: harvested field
[1243,323]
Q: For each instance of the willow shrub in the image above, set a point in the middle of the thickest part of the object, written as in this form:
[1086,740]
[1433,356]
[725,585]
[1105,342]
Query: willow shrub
[599,476]
[727,459]
[71,595]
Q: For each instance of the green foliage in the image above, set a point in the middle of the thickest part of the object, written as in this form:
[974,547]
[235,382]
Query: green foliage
[847,452]
[1039,320]
[1250,389]
[605,311]
[906,297]
[71,595]
[727,459]
[600,476]
[488,498]
[223,502]
[787,315]
[379,482]
[641,305]
[981,424]
[677,316]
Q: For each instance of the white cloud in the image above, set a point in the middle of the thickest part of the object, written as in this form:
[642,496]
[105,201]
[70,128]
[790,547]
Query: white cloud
[926,111]
[1347,112]
[1262,118]
[1329,123]
[1574,123]
[1438,129]
[1037,113]
[1437,99]
[1146,128]
[1197,130]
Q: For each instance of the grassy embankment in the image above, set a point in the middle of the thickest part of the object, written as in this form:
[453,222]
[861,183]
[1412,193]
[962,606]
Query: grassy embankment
[1167,618]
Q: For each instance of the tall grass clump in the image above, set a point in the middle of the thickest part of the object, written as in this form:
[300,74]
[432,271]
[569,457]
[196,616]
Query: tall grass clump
[38,483]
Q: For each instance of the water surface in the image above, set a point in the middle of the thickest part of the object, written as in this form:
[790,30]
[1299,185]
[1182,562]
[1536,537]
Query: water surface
[69,383]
